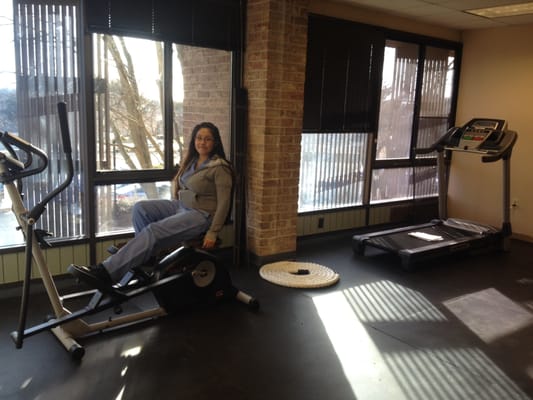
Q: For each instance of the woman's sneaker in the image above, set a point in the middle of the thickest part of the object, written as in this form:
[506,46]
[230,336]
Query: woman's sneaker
[95,276]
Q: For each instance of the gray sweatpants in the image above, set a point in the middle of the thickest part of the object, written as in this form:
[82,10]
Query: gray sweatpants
[158,224]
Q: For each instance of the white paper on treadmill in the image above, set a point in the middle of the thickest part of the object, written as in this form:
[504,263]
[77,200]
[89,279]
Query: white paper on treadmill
[426,236]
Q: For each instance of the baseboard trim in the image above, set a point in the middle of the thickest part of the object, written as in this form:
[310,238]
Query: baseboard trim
[258,261]
[522,237]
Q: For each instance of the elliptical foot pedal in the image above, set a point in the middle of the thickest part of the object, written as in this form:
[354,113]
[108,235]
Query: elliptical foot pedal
[103,284]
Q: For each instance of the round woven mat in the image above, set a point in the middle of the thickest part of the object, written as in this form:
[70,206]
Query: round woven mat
[298,274]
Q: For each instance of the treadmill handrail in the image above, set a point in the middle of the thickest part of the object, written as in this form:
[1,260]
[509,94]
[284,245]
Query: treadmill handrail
[506,148]
[439,145]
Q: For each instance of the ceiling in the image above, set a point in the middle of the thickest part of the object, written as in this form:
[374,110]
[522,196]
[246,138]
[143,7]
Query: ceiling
[446,13]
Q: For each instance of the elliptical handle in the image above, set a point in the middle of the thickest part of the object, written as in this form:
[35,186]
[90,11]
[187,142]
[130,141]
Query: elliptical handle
[39,208]
[63,122]
[12,142]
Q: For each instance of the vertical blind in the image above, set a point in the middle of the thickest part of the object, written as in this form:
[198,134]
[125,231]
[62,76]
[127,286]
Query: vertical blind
[342,76]
[436,98]
[331,170]
[47,69]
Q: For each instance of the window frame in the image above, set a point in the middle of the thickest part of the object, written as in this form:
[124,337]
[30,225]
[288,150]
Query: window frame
[314,121]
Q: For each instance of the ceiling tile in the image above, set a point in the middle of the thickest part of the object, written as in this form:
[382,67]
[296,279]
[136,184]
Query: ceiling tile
[446,13]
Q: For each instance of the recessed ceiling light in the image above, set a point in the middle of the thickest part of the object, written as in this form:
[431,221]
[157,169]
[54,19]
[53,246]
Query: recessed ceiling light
[503,11]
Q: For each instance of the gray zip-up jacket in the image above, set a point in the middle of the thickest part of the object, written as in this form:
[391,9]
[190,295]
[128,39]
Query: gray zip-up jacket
[210,189]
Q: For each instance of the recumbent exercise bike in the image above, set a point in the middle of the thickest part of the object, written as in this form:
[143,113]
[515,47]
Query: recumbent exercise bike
[186,276]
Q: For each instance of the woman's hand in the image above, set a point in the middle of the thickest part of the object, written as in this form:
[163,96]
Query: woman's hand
[208,243]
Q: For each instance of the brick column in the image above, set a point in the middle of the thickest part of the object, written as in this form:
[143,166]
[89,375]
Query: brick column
[207,91]
[274,74]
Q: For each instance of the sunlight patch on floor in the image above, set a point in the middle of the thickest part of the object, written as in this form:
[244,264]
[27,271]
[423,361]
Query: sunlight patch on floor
[451,373]
[363,366]
[378,365]
[490,314]
[386,301]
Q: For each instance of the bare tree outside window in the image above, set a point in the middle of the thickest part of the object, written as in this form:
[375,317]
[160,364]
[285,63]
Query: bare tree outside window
[128,103]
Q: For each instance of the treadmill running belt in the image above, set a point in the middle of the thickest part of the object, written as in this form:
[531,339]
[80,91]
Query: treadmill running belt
[402,240]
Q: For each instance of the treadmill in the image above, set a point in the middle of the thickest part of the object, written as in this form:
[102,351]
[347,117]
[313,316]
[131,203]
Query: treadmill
[490,140]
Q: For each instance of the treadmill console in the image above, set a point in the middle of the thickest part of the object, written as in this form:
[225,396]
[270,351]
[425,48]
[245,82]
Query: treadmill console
[478,135]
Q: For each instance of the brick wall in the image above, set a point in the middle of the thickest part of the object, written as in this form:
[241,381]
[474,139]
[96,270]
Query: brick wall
[274,74]
[207,91]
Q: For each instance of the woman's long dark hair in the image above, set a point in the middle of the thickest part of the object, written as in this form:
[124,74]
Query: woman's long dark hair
[192,154]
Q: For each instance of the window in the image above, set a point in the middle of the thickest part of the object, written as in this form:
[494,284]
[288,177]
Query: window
[136,135]
[402,127]
[371,97]
[398,89]
[8,117]
[128,98]
[340,109]
[148,80]
[436,99]
[331,171]
[43,55]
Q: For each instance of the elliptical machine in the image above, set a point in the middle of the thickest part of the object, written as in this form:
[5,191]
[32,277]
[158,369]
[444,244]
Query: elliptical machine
[184,277]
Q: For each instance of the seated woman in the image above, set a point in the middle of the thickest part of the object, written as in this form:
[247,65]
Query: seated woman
[202,198]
